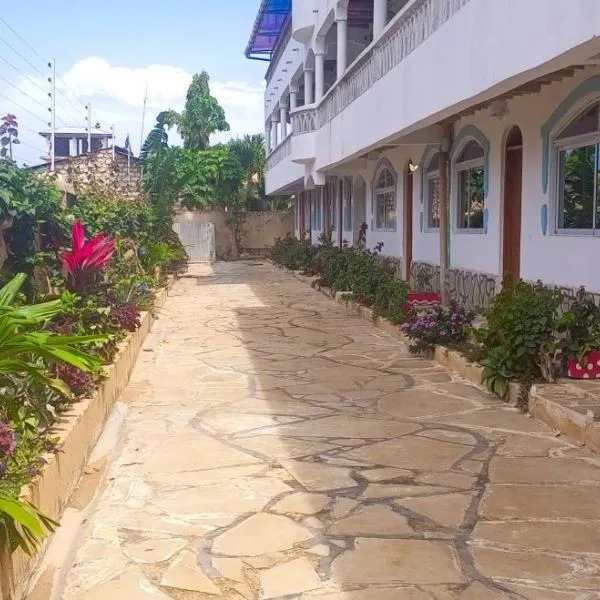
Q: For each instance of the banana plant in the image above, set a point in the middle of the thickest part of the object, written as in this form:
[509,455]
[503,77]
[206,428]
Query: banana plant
[24,525]
[19,345]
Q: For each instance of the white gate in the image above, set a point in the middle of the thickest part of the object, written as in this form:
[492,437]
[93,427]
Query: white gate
[198,240]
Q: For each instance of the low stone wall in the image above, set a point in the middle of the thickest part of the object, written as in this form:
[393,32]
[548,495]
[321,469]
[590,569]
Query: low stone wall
[119,174]
[467,288]
[78,430]
[259,230]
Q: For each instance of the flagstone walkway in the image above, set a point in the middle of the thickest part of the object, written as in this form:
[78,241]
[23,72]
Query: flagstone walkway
[277,448]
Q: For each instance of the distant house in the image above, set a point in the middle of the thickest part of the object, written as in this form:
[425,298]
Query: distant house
[78,170]
[73,141]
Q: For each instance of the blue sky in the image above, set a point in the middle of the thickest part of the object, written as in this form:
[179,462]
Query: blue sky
[107,51]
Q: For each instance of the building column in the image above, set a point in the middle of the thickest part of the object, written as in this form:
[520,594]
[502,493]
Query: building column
[283,118]
[273,134]
[379,17]
[444,189]
[309,84]
[293,97]
[319,75]
[342,45]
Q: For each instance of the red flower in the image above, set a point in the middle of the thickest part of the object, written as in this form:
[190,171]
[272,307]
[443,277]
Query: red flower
[86,258]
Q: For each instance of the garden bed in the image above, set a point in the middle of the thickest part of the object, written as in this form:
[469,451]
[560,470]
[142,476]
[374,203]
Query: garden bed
[78,430]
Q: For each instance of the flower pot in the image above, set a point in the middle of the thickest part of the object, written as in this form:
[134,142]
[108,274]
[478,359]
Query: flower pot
[419,300]
[589,368]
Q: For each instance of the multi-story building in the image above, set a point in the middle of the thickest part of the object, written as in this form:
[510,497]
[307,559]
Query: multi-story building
[464,133]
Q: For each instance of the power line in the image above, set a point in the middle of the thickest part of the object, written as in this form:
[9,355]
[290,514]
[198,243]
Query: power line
[76,108]
[23,74]
[21,56]
[25,109]
[44,60]
[22,91]
[21,143]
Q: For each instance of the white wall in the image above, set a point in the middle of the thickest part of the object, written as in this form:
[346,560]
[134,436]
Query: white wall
[487,43]
[558,259]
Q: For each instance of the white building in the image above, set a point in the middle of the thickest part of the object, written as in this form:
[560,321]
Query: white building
[464,133]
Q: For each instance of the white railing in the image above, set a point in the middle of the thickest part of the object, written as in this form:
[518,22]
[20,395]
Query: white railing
[278,154]
[410,28]
[304,120]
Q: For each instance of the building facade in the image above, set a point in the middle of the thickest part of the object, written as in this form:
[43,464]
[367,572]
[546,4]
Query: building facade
[464,133]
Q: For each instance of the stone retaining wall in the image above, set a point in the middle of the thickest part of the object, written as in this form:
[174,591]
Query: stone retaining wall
[79,430]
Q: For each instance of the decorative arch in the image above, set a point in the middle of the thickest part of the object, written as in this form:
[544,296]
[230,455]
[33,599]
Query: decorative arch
[589,86]
[381,194]
[466,134]
[384,163]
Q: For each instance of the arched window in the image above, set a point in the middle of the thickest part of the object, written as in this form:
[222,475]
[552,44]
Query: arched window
[469,171]
[578,171]
[385,200]
[432,192]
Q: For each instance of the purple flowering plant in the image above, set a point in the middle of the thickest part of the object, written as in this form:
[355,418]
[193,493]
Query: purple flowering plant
[438,326]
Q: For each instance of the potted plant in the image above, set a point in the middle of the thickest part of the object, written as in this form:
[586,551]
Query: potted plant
[579,328]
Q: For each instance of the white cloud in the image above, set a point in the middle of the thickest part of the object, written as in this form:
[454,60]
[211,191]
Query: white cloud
[117,97]
[117,94]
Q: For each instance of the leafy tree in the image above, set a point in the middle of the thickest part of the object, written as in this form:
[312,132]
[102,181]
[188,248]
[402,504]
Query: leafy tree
[212,177]
[201,117]
[250,152]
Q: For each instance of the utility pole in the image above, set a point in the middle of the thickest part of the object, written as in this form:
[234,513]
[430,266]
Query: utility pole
[89,127]
[143,118]
[52,66]
[113,140]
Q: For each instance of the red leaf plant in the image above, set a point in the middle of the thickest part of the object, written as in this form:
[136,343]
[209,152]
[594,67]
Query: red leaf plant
[86,259]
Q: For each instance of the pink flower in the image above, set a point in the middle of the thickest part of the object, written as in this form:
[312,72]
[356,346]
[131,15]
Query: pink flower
[7,440]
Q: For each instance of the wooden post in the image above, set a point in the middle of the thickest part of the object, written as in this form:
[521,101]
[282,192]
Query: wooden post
[444,213]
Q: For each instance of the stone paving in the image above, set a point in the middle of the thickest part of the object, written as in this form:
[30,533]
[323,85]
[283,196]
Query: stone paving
[277,448]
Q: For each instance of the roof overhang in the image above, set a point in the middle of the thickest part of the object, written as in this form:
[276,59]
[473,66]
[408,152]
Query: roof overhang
[268,27]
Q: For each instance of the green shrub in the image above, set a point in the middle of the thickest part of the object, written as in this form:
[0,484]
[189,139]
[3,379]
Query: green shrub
[292,253]
[520,334]
[370,282]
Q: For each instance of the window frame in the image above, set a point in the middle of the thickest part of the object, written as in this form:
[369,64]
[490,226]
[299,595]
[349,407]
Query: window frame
[347,205]
[459,167]
[377,192]
[559,145]
[429,175]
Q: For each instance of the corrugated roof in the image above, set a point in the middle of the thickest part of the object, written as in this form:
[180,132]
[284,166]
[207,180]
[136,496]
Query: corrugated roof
[270,22]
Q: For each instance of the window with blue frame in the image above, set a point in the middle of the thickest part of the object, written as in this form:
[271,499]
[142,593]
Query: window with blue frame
[348,204]
[578,174]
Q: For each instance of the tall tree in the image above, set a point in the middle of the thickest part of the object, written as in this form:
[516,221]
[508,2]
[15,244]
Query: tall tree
[201,117]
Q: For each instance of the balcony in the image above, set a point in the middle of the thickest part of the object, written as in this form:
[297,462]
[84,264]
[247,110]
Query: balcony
[279,153]
[303,19]
[304,127]
[414,24]
[283,175]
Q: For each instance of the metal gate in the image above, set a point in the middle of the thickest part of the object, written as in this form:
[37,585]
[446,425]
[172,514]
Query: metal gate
[198,239]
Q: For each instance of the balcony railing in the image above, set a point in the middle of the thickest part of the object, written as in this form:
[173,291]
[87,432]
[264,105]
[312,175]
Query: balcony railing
[282,151]
[410,28]
[304,120]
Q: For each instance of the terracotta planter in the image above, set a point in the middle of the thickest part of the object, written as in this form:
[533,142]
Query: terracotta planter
[589,368]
